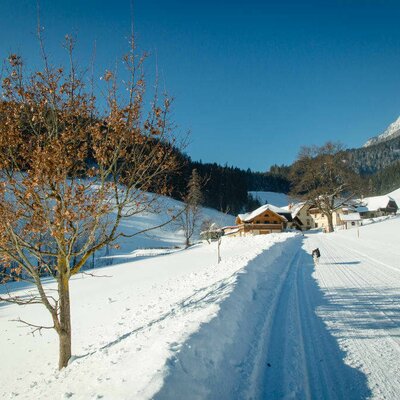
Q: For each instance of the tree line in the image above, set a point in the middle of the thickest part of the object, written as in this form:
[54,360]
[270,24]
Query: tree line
[369,160]
[225,187]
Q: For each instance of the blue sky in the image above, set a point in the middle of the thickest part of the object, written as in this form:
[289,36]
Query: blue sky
[252,80]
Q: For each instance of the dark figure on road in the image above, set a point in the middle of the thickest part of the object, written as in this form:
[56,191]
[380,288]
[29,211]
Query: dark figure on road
[316,254]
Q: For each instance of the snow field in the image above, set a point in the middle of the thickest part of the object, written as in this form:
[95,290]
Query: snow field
[149,321]
[161,240]
[264,323]
[360,278]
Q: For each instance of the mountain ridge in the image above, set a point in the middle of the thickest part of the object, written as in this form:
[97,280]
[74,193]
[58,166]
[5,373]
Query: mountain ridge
[391,132]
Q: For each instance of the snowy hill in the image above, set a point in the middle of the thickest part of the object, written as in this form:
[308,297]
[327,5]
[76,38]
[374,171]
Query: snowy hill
[392,131]
[277,199]
[158,240]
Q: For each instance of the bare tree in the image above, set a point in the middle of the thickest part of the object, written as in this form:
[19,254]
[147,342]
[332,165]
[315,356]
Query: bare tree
[71,170]
[190,217]
[322,176]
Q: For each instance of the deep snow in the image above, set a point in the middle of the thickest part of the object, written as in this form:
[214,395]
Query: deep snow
[129,323]
[264,323]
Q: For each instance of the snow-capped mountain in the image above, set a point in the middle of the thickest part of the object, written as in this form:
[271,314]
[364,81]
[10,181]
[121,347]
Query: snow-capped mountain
[392,131]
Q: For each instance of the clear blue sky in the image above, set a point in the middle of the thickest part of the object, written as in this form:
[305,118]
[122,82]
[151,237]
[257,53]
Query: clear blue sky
[252,80]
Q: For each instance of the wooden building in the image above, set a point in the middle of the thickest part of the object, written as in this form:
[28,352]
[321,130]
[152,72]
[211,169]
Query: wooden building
[265,219]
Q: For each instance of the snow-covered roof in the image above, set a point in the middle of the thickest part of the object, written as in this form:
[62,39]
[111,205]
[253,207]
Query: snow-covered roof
[351,217]
[295,209]
[377,202]
[250,216]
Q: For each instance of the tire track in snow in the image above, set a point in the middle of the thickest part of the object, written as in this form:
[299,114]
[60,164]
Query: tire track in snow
[358,345]
[365,256]
[304,360]
[286,373]
[354,278]
[371,343]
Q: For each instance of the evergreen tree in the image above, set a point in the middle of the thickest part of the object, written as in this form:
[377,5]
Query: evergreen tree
[190,218]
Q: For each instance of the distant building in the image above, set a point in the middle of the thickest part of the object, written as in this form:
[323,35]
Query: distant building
[351,220]
[377,206]
[265,219]
[301,217]
[321,220]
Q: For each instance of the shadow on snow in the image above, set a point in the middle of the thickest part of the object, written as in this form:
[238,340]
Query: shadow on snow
[237,350]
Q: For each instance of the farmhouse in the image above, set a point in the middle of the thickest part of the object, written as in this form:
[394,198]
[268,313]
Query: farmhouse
[377,206]
[301,217]
[263,220]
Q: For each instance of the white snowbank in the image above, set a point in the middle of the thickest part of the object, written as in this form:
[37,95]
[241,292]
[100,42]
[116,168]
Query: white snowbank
[130,324]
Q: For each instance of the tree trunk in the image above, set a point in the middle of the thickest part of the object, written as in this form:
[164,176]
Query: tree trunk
[330,222]
[64,333]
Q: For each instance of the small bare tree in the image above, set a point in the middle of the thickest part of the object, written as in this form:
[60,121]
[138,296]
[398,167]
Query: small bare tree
[190,217]
[322,176]
[71,171]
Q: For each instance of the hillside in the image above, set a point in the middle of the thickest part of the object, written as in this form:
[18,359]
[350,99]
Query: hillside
[369,160]
[225,187]
[161,239]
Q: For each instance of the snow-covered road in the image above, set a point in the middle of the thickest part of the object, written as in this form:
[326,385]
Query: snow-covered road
[360,278]
[304,360]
